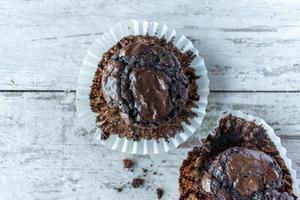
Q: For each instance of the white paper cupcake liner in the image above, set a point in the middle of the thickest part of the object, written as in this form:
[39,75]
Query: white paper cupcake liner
[274,138]
[87,118]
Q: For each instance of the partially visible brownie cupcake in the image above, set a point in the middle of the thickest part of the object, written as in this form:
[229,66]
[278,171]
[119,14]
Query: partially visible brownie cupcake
[144,87]
[239,162]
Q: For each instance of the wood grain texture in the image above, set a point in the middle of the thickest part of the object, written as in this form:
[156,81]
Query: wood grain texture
[44,155]
[247,45]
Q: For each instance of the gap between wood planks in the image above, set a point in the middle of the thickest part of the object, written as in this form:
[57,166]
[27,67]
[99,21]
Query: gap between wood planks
[211,91]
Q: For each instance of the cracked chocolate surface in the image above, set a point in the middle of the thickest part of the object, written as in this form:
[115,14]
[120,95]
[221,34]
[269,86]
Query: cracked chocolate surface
[241,173]
[146,83]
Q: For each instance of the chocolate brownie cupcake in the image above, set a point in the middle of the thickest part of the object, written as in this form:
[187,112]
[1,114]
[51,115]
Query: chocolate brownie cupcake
[144,87]
[238,161]
[146,84]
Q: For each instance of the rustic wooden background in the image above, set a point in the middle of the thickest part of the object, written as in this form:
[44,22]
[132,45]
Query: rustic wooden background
[252,52]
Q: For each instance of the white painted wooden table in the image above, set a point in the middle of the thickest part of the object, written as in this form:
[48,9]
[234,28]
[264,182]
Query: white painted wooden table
[252,53]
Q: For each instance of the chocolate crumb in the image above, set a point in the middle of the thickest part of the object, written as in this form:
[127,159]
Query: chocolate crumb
[154,173]
[137,182]
[145,170]
[159,192]
[119,189]
[128,164]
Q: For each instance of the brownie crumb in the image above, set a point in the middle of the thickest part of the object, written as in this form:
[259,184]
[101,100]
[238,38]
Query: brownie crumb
[159,192]
[137,182]
[145,170]
[119,189]
[128,164]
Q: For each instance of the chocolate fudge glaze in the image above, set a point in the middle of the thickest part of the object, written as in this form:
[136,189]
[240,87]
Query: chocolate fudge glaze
[250,170]
[146,83]
[151,91]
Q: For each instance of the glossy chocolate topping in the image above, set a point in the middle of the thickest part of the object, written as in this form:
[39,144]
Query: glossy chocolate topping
[151,91]
[133,49]
[250,170]
[111,83]
[241,173]
[146,83]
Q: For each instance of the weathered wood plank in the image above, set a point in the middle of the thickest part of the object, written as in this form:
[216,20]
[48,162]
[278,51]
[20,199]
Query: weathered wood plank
[44,155]
[280,110]
[90,172]
[247,45]
[34,113]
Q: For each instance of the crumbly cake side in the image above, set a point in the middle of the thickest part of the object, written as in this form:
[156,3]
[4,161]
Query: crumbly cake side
[232,131]
[109,119]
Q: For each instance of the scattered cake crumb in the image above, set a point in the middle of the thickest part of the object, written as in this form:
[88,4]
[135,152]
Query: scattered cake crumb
[145,170]
[119,189]
[159,192]
[137,182]
[128,164]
